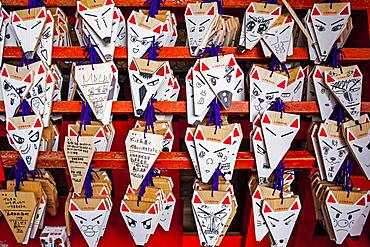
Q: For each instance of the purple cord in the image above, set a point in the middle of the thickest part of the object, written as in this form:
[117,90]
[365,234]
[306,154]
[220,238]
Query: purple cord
[148,181]
[337,114]
[278,105]
[215,177]
[279,179]
[85,117]
[214,116]
[35,3]
[87,183]
[153,51]
[275,65]
[149,115]
[20,171]
[211,51]
[337,56]
[155,5]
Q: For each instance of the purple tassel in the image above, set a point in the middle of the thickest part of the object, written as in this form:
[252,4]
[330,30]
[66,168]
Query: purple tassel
[149,115]
[26,108]
[215,177]
[220,4]
[279,179]
[20,171]
[211,51]
[155,5]
[87,183]
[343,177]
[25,62]
[153,51]
[92,54]
[85,117]
[271,1]
[214,116]
[278,105]
[276,65]
[148,181]
[337,114]
[35,3]
[337,55]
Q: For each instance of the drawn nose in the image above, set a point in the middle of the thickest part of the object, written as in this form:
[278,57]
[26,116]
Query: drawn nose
[193,48]
[261,100]
[332,158]
[107,39]
[281,241]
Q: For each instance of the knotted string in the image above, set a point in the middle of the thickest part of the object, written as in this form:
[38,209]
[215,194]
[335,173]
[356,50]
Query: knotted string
[331,2]
[214,116]
[337,55]
[87,183]
[35,3]
[26,108]
[20,171]
[155,5]
[278,105]
[211,51]
[85,117]
[25,62]
[149,115]
[91,53]
[279,179]
[348,168]
[215,177]
[220,4]
[153,51]
[148,181]
[337,114]
[276,65]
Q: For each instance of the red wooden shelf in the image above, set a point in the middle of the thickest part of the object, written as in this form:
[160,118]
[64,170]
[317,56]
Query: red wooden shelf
[182,53]
[179,107]
[303,4]
[172,160]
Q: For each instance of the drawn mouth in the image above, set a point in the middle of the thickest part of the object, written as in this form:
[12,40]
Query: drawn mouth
[332,162]
[342,230]
[89,233]
[252,37]
[258,107]
[26,150]
[135,50]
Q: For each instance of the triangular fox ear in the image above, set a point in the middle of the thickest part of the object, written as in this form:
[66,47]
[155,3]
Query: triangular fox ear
[10,126]
[28,78]
[296,205]
[132,19]
[189,136]
[41,14]
[152,209]
[266,208]
[124,207]
[350,136]
[71,132]
[101,206]
[330,198]
[251,8]
[199,135]
[157,29]
[257,194]
[81,7]
[315,11]
[322,132]
[362,201]
[211,11]
[345,11]
[73,206]
[188,11]
[266,119]
[4,72]
[15,17]
[37,123]
[196,198]
[276,11]
[108,2]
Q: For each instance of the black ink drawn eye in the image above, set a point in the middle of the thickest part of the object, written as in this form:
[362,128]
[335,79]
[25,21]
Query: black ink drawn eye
[320,28]
[133,38]
[98,222]
[262,28]
[144,42]
[153,83]
[341,153]
[337,215]
[256,92]
[228,78]
[337,27]
[131,222]
[137,80]
[213,81]
[287,223]
[352,90]
[250,25]
[350,216]
[18,139]
[7,87]
[269,97]
[326,150]
[147,224]
[201,29]
[35,137]
[285,95]
[273,225]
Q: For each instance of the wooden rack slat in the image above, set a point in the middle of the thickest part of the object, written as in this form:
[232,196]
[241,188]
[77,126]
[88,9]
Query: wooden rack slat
[172,160]
[303,4]
[179,107]
[182,53]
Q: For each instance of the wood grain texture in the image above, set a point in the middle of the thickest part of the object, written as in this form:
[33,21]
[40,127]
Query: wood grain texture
[173,160]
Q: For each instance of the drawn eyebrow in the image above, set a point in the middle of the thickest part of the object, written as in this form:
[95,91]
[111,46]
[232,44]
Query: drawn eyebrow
[192,22]
[321,22]
[200,79]
[354,84]
[273,218]
[342,147]
[106,11]
[203,147]
[272,92]
[21,27]
[38,82]
[357,146]
[354,211]
[287,134]
[201,24]
[267,20]
[91,15]
[321,85]
[38,23]
[229,73]
[97,141]
[259,205]
[149,37]
[287,218]
[270,34]
[271,131]
[327,144]
[224,210]
[204,211]
[222,149]
[237,85]
[82,218]
[97,217]
[134,31]
[336,209]
[213,76]
[284,30]
[257,87]
[259,147]
[337,22]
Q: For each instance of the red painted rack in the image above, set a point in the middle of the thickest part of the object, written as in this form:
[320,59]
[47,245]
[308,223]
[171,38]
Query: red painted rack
[174,162]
